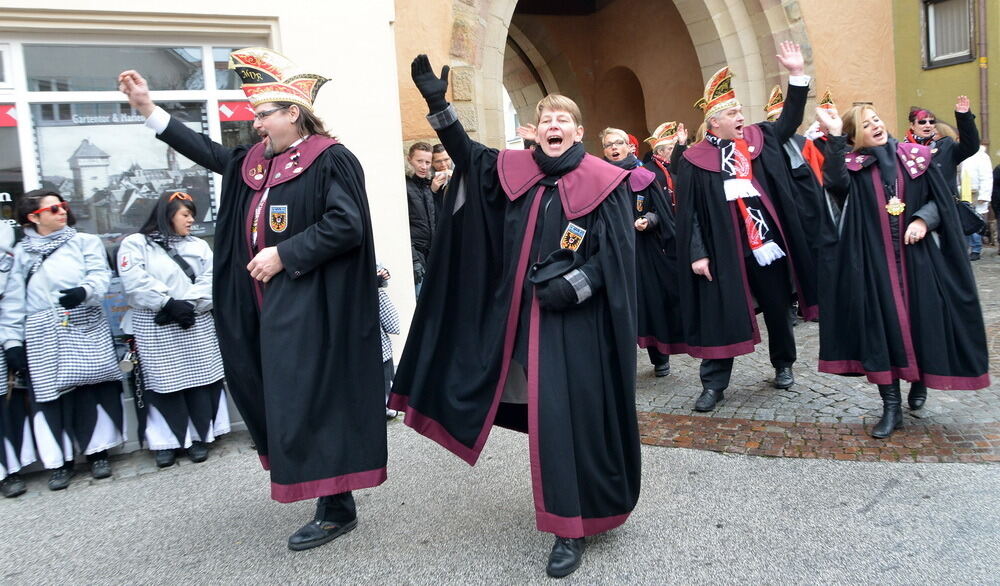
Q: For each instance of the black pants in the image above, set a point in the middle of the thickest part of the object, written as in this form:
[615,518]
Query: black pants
[771,287]
[338,508]
[656,358]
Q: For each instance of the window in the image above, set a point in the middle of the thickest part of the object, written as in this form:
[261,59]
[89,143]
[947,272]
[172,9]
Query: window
[947,32]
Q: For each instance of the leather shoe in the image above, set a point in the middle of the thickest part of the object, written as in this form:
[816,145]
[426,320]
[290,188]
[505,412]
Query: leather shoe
[165,458]
[567,553]
[60,477]
[708,399]
[661,369]
[783,378]
[198,452]
[12,486]
[316,533]
[917,396]
[100,468]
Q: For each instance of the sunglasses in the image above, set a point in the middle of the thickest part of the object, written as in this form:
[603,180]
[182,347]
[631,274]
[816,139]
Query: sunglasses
[266,113]
[179,195]
[619,143]
[54,208]
[927,121]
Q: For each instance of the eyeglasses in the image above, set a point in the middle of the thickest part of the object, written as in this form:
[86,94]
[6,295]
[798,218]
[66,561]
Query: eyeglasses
[179,195]
[618,143]
[927,121]
[266,113]
[54,208]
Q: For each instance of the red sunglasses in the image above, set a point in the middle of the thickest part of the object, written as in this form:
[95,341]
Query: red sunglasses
[54,208]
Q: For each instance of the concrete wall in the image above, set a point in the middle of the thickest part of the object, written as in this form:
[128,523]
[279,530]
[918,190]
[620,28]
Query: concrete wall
[936,89]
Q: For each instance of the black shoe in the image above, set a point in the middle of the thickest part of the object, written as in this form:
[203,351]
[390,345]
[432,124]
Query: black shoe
[61,476]
[12,486]
[661,370]
[567,553]
[165,458]
[708,399]
[892,412]
[974,256]
[100,468]
[198,452]
[917,396]
[783,378]
[316,533]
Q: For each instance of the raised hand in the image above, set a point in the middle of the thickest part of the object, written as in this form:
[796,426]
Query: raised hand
[682,134]
[790,57]
[432,87]
[962,105]
[135,87]
[830,120]
[527,132]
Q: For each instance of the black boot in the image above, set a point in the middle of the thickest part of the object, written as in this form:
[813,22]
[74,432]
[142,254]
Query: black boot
[917,395]
[567,553]
[708,399]
[892,412]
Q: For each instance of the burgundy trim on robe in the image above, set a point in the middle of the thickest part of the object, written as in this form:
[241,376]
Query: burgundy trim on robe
[706,156]
[284,164]
[639,178]
[663,347]
[581,190]
[289,493]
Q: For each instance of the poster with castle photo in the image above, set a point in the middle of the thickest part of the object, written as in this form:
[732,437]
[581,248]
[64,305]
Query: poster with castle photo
[111,168]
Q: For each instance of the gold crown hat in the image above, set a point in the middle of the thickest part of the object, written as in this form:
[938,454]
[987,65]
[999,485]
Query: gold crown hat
[719,94]
[269,76]
[826,102]
[775,104]
[665,134]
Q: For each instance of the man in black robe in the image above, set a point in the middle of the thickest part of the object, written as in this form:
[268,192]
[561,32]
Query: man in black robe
[296,303]
[528,319]
[738,230]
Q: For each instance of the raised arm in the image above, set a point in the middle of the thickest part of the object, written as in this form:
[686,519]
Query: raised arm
[790,57]
[968,134]
[835,177]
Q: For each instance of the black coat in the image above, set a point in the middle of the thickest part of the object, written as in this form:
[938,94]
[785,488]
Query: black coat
[477,305]
[892,310]
[305,367]
[423,218]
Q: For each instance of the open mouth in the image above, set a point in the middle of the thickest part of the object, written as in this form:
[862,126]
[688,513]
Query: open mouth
[554,141]
[878,134]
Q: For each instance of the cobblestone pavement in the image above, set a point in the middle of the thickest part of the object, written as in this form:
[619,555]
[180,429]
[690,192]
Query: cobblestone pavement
[756,418]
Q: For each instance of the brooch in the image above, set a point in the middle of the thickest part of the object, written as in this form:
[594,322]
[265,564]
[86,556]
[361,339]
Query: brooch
[895,206]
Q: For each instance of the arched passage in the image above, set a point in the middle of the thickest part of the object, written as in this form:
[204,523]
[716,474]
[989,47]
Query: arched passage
[619,103]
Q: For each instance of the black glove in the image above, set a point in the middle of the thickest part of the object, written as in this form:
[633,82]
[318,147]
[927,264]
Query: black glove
[174,311]
[17,359]
[72,297]
[431,87]
[556,294]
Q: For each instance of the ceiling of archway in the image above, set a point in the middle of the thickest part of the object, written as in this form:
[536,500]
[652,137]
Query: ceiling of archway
[560,7]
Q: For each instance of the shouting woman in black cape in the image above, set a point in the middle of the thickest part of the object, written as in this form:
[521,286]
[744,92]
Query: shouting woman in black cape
[897,294]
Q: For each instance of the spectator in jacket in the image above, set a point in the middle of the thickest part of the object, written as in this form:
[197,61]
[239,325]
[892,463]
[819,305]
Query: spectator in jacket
[420,190]
[976,174]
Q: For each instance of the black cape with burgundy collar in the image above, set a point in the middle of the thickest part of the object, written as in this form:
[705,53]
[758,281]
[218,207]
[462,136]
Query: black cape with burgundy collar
[912,316]
[305,369]
[719,319]
[477,311]
[659,314]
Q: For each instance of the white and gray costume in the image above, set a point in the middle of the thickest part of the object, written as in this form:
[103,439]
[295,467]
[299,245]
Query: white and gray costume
[85,416]
[181,370]
[17,446]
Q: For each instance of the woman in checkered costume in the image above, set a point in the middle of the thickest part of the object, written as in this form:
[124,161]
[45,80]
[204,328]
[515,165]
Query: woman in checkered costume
[167,275]
[52,326]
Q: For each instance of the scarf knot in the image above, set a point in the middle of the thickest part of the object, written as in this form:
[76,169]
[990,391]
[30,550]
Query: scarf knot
[44,246]
[564,163]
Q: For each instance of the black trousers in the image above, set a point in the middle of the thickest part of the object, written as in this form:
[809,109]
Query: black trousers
[656,357]
[338,508]
[771,287]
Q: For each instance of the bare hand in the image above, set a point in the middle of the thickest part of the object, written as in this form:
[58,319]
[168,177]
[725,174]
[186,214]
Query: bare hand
[962,105]
[682,134]
[700,267]
[438,180]
[830,120]
[641,224]
[916,231]
[266,264]
[135,87]
[790,57]
[384,274]
[527,132]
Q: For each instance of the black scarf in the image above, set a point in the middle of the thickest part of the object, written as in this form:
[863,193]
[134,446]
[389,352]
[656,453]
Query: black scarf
[885,156]
[564,163]
[629,162]
[421,181]
[166,241]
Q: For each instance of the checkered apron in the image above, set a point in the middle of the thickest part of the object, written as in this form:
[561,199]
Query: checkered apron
[67,349]
[173,359]
[3,373]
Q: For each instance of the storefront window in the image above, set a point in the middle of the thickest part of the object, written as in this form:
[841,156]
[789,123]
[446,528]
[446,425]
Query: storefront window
[225,78]
[11,184]
[60,68]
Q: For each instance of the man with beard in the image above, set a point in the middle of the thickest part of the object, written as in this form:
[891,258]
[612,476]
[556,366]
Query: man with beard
[738,229]
[528,319]
[296,303]
[659,319]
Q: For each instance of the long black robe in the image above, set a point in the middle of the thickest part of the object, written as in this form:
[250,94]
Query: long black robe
[912,314]
[478,309]
[948,154]
[305,367]
[659,320]
[809,197]
[719,319]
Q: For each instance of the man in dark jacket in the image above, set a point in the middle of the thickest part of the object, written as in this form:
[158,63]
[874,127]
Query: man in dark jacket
[420,190]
